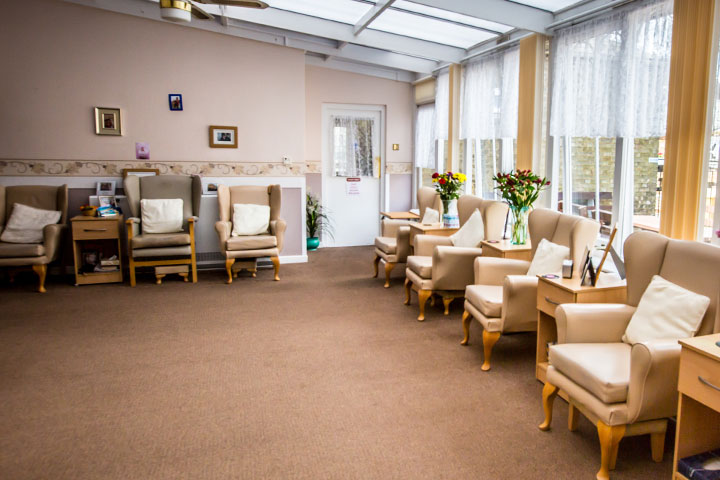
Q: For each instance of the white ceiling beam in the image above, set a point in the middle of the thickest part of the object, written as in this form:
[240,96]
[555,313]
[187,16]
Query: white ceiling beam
[500,11]
[374,70]
[371,15]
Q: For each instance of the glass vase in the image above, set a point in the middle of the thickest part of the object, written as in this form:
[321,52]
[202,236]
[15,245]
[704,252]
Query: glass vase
[450,213]
[519,225]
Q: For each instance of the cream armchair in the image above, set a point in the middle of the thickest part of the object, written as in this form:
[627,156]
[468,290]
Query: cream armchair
[439,268]
[393,246]
[503,298]
[35,255]
[248,248]
[162,249]
[628,390]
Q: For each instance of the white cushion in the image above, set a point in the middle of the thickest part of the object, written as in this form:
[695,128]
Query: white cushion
[666,312]
[548,258]
[431,216]
[26,224]
[471,233]
[161,215]
[250,219]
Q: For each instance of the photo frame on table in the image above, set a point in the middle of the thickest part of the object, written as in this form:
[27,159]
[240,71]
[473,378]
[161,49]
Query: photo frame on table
[223,136]
[175,102]
[587,277]
[105,188]
[107,121]
[605,254]
[107,201]
[141,172]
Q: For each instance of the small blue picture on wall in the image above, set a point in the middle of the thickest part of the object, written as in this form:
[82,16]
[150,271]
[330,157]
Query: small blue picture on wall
[175,100]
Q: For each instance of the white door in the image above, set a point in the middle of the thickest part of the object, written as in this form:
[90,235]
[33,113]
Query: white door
[352,173]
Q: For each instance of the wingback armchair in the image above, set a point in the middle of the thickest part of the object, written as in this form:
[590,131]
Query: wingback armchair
[439,268]
[35,255]
[250,247]
[624,389]
[503,298]
[159,249]
[393,246]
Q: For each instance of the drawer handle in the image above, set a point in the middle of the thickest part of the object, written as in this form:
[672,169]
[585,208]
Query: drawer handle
[547,299]
[95,229]
[702,380]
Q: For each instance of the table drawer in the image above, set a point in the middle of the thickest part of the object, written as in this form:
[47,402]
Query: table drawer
[700,378]
[95,229]
[549,297]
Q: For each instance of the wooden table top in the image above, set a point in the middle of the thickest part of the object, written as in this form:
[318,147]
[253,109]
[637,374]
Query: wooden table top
[506,245]
[606,282]
[400,215]
[426,227]
[704,345]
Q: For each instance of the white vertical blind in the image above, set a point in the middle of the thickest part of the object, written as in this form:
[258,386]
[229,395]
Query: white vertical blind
[425,136]
[442,105]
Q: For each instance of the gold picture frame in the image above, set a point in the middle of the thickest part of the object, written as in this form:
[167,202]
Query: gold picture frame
[107,121]
[223,136]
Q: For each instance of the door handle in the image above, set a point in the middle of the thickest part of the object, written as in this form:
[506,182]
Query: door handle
[547,299]
[702,380]
[95,230]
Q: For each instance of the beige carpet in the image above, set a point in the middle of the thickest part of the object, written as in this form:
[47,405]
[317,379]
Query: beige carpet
[322,375]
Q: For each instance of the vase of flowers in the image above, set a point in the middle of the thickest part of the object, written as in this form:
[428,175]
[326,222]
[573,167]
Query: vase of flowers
[448,186]
[520,189]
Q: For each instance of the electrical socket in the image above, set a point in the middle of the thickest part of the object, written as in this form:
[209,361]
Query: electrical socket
[286,160]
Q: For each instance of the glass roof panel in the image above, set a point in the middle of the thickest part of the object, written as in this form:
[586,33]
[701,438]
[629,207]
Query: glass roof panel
[433,30]
[452,16]
[549,5]
[345,11]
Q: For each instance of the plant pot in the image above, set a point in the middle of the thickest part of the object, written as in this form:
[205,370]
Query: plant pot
[450,217]
[519,225]
[313,243]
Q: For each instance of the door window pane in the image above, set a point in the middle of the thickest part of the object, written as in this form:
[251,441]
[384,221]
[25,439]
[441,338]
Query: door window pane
[352,148]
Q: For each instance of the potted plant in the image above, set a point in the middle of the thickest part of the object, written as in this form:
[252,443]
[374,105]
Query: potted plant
[448,186]
[520,189]
[316,221]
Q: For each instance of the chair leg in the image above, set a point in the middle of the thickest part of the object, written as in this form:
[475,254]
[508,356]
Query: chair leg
[276,265]
[573,417]
[446,304]
[657,444]
[423,296]
[228,266]
[489,340]
[408,287]
[131,269]
[388,268]
[41,271]
[609,440]
[375,265]
[548,397]
[466,319]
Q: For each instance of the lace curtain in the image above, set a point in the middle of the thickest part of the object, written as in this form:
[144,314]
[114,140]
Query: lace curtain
[610,74]
[352,146]
[489,96]
[425,136]
[442,105]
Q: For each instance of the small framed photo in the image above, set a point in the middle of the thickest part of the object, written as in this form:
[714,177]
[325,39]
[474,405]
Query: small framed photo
[140,172]
[107,121]
[142,151]
[105,188]
[175,101]
[107,201]
[223,137]
[90,258]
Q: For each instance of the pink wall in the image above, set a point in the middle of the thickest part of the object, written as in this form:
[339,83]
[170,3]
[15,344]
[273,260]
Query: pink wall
[60,60]
[323,85]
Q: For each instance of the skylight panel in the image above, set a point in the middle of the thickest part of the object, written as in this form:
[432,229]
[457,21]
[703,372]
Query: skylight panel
[433,30]
[344,11]
[549,5]
[452,16]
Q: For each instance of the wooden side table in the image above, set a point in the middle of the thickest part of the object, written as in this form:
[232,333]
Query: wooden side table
[554,292]
[101,234]
[505,249]
[698,416]
[401,215]
[429,229]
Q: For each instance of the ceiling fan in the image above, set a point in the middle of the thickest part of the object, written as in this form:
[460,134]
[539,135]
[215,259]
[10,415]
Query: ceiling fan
[184,10]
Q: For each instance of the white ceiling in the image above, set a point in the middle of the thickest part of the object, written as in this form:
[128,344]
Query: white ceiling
[402,39]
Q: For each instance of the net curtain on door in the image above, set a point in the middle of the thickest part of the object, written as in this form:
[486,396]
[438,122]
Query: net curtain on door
[352,146]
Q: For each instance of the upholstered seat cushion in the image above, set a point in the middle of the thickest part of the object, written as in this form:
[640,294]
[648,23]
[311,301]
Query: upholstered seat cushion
[8,250]
[251,242]
[421,265]
[603,369]
[486,298]
[386,244]
[157,240]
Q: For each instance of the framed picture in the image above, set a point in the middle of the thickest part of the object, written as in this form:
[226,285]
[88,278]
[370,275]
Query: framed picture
[608,247]
[107,121]
[90,258]
[223,137]
[587,277]
[142,151]
[105,188]
[140,172]
[107,201]
[175,101]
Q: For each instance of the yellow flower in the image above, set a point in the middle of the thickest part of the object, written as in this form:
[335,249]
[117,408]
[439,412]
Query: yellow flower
[434,180]
[456,176]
